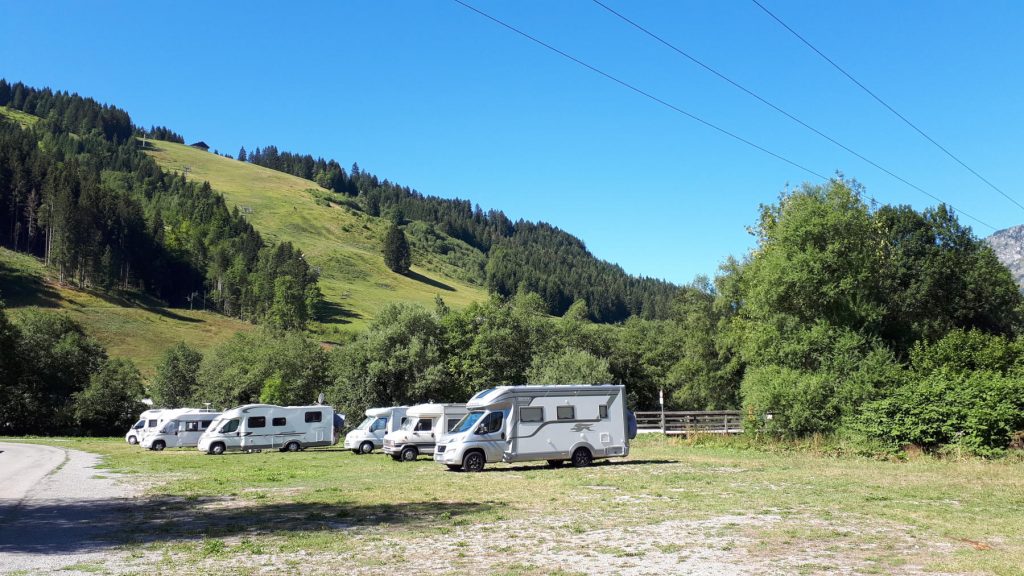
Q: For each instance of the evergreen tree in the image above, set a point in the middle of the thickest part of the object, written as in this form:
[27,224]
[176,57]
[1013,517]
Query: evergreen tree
[241,155]
[397,256]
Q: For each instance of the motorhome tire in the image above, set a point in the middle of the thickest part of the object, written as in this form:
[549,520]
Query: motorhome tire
[366,447]
[409,453]
[133,440]
[292,447]
[217,449]
[473,461]
[582,458]
[556,463]
[159,445]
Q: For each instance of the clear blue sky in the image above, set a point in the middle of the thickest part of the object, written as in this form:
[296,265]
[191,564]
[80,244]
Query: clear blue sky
[433,96]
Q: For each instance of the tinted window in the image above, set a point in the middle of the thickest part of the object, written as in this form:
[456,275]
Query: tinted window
[531,414]
[257,422]
[279,421]
[602,411]
[452,423]
[491,423]
[192,426]
[204,424]
[566,412]
[424,424]
[314,416]
[379,424]
[151,424]
[229,426]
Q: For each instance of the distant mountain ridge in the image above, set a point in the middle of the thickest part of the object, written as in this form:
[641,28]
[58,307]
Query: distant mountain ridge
[1009,248]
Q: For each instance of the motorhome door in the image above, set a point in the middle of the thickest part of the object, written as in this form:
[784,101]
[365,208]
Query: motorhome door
[491,435]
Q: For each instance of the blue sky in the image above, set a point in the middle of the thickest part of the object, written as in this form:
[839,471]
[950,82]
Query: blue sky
[433,96]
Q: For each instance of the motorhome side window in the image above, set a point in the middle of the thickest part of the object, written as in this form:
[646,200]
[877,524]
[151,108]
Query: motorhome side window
[151,424]
[257,421]
[452,423]
[492,423]
[230,426]
[602,411]
[531,414]
[192,426]
[279,421]
[379,424]
[424,424]
[317,416]
[204,424]
[566,412]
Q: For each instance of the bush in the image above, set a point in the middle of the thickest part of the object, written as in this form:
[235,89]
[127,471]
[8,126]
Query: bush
[978,411]
[112,401]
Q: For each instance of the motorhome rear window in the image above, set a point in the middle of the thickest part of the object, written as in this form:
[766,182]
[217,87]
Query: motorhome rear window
[279,421]
[531,414]
[602,411]
[566,412]
[257,421]
[314,416]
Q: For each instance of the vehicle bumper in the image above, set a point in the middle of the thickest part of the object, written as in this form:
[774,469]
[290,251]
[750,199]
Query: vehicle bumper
[447,455]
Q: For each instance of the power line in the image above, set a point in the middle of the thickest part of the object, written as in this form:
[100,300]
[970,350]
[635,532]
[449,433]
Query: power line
[638,90]
[884,103]
[777,109]
[694,117]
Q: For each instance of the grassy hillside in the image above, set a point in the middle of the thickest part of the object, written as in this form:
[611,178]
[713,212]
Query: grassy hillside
[342,242]
[23,119]
[139,329]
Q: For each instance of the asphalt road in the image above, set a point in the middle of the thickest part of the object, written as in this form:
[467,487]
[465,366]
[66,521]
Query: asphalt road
[57,511]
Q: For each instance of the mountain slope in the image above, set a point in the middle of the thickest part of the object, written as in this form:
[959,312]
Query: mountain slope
[344,243]
[138,328]
[1009,247]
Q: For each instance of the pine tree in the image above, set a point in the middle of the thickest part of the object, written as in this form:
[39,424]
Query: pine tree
[397,256]
[241,155]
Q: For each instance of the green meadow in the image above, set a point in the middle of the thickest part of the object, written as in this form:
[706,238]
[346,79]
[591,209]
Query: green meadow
[705,506]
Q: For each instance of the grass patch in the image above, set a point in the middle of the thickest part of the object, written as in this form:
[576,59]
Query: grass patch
[792,512]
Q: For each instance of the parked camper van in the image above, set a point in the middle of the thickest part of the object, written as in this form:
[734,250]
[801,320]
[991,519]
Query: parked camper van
[370,432]
[260,426]
[424,425]
[553,423]
[181,428]
[148,422]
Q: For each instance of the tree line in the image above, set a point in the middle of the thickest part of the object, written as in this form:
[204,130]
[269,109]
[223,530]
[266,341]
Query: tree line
[76,191]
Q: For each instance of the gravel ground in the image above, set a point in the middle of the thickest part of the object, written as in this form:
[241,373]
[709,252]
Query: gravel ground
[57,511]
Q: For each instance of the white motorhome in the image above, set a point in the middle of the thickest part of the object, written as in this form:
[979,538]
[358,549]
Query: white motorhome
[260,426]
[180,428]
[148,422]
[424,425]
[553,423]
[369,434]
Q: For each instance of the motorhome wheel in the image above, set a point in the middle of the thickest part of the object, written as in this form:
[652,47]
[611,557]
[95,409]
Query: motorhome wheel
[217,449]
[366,447]
[473,462]
[409,453]
[582,458]
[292,447]
[159,445]
[133,440]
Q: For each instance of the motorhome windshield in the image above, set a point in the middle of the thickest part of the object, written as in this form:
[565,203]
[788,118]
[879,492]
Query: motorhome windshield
[366,423]
[467,421]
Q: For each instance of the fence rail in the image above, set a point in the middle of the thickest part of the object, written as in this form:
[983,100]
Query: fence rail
[710,422]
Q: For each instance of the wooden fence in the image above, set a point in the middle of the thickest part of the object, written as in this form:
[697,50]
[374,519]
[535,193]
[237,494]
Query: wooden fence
[712,422]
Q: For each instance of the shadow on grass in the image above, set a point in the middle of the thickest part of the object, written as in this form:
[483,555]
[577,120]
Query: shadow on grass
[60,527]
[334,313]
[429,281]
[596,464]
[18,288]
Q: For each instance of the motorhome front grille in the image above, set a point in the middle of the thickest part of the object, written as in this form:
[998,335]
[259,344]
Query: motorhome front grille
[439,448]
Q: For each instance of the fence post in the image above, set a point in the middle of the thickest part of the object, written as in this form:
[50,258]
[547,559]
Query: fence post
[661,400]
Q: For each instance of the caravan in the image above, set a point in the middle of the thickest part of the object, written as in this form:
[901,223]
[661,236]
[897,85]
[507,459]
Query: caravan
[424,425]
[370,432]
[148,422]
[180,428]
[553,423]
[259,426]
